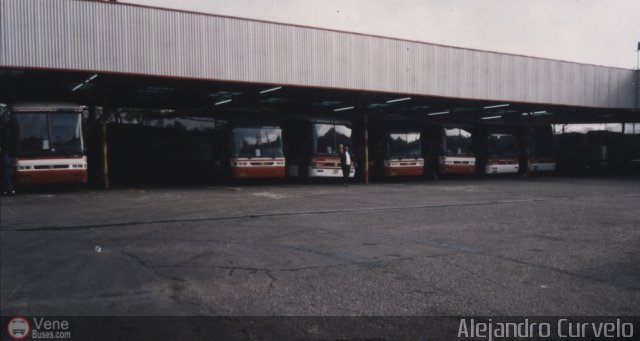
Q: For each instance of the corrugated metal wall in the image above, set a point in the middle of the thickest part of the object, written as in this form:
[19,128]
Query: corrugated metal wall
[96,36]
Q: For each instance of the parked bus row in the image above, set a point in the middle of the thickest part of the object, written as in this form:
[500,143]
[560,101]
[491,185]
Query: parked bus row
[48,142]
[174,147]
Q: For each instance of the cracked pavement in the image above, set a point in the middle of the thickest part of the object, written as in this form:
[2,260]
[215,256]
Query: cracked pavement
[538,246]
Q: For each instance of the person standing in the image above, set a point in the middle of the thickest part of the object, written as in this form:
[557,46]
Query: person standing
[345,163]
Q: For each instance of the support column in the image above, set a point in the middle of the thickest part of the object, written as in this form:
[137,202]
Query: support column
[638,83]
[527,151]
[104,118]
[365,135]
[638,78]
[105,162]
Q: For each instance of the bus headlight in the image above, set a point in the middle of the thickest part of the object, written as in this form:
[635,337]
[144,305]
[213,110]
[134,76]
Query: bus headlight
[237,164]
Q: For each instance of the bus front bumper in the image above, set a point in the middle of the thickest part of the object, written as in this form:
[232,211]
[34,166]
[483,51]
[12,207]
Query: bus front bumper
[315,172]
[45,177]
[240,172]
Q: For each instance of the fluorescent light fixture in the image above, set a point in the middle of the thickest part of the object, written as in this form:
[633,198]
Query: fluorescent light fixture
[541,113]
[222,102]
[496,106]
[438,113]
[525,114]
[377,105]
[77,87]
[343,109]
[224,94]
[327,103]
[398,99]
[85,82]
[273,100]
[491,117]
[271,89]
[419,107]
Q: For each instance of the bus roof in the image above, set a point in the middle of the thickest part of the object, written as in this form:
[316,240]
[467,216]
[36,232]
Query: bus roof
[45,106]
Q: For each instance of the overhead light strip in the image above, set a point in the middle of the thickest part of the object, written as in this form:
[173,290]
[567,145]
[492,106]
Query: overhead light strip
[271,89]
[343,109]
[438,113]
[77,87]
[491,117]
[222,102]
[85,82]
[398,99]
[496,106]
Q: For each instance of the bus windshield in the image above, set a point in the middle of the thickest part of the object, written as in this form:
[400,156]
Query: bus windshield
[257,142]
[585,128]
[403,145]
[502,145]
[457,141]
[38,133]
[328,136]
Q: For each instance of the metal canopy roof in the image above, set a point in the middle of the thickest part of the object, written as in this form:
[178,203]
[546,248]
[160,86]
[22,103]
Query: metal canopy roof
[201,97]
[87,38]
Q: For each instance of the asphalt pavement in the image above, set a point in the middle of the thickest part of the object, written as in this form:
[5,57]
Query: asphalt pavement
[509,246]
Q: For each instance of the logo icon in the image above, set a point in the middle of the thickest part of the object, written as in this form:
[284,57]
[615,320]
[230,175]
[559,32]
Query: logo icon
[18,328]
